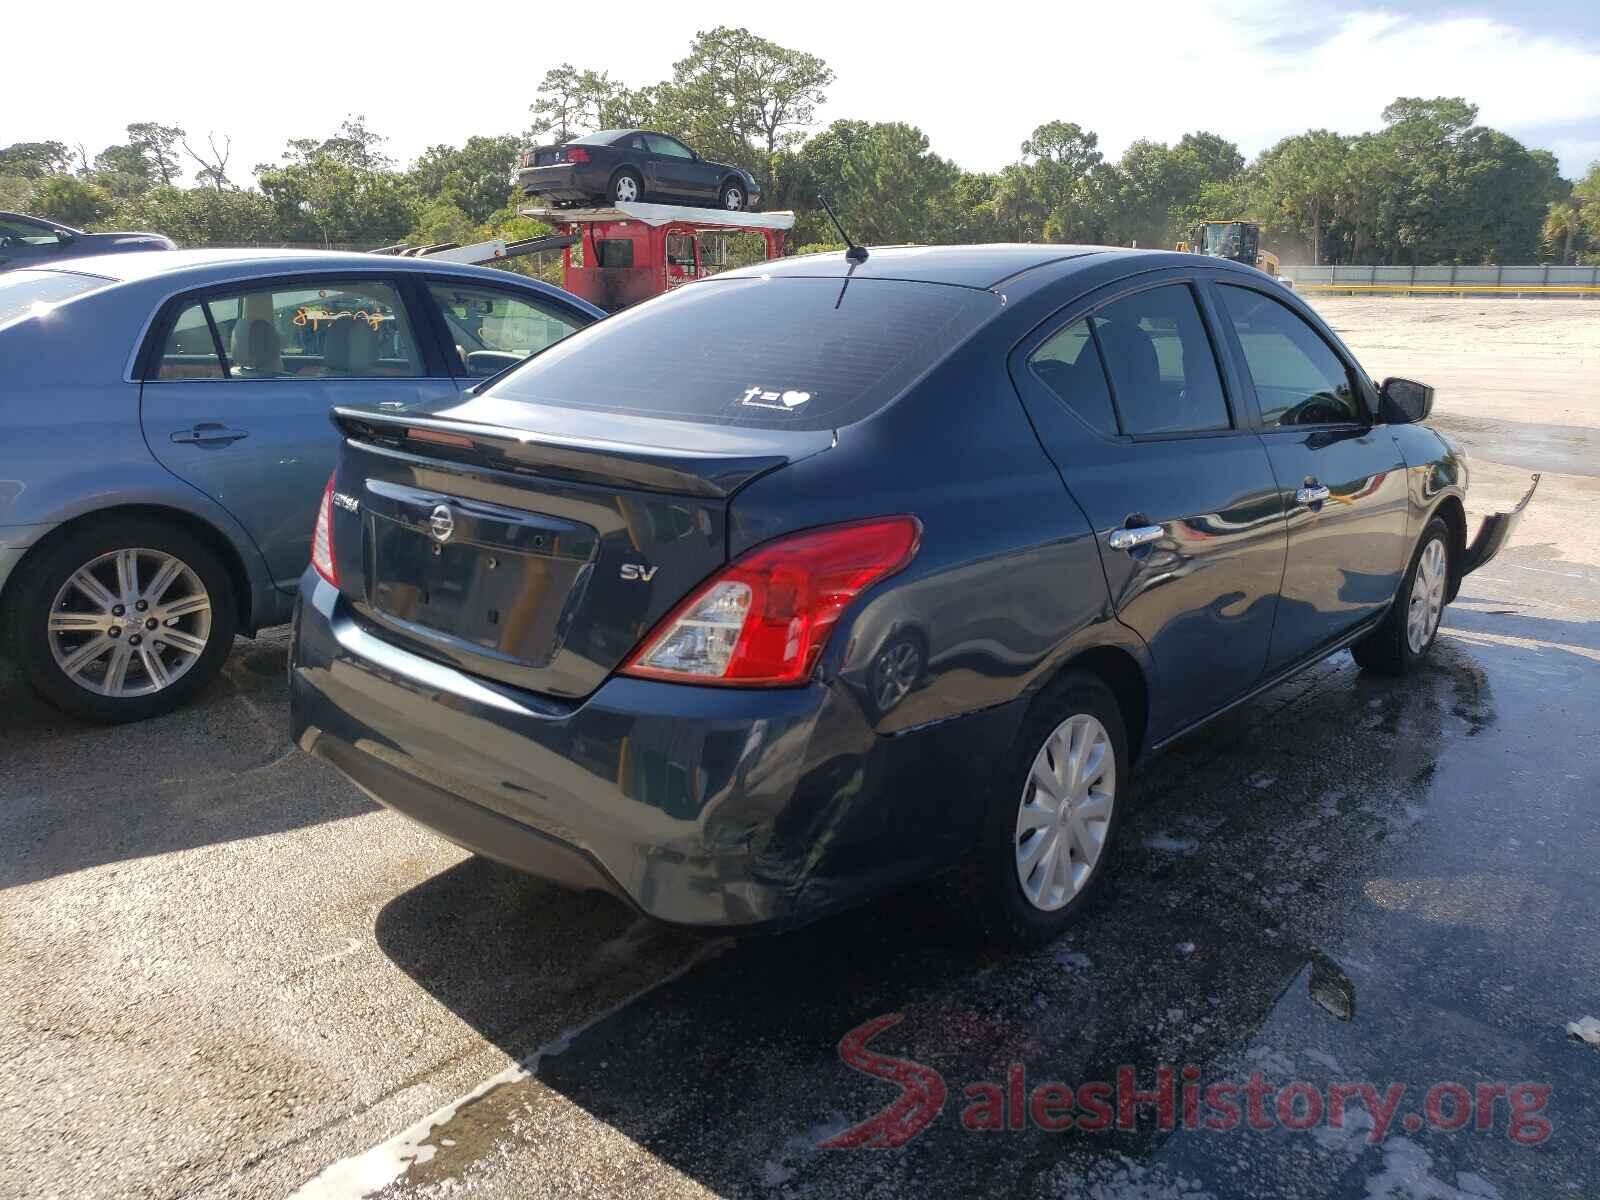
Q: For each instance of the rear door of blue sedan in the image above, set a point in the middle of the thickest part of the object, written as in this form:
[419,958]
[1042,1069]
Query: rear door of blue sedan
[1125,390]
[237,389]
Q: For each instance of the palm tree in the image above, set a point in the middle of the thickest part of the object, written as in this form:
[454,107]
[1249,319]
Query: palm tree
[1563,223]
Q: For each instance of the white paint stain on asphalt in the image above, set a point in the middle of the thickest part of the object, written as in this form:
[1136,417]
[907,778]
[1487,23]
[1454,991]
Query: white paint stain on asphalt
[372,1170]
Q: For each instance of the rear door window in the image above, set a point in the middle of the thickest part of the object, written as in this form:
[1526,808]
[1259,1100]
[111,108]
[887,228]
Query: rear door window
[1164,375]
[190,351]
[1068,363]
[790,353]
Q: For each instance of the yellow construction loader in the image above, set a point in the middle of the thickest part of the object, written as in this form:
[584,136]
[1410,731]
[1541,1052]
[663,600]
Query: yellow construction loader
[1237,241]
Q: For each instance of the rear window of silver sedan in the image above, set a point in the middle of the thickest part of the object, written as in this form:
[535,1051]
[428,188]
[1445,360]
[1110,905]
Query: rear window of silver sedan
[26,294]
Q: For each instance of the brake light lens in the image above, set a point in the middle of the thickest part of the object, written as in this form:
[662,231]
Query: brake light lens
[577,154]
[322,538]
[764,619]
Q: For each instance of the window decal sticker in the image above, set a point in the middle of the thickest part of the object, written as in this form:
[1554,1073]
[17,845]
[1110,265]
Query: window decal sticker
[783,401]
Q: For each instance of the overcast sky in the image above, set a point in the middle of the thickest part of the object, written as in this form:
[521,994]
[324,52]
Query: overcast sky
[977,79]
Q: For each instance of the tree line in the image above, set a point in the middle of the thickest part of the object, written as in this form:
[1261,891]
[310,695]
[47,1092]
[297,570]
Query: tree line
[1431,186]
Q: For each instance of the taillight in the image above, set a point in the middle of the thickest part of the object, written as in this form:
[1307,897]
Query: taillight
[577,154]
[322,538]
[763,620]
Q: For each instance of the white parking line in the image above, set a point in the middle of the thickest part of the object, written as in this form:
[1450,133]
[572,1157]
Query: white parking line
[363,1174]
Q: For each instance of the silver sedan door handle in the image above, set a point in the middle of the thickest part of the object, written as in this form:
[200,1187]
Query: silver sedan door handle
[1315,494]
[1132,539]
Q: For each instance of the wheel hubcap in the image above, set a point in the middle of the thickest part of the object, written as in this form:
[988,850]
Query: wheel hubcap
[734,198]
[1065,812]
[1427,596]
[129,623]
[627,190]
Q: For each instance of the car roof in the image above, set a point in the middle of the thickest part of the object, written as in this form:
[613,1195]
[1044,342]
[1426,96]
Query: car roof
[185,267]
[30,218]
[980,266]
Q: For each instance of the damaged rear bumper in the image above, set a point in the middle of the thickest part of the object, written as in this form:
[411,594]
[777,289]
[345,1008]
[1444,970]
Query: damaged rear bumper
[1495,532]
[713,807]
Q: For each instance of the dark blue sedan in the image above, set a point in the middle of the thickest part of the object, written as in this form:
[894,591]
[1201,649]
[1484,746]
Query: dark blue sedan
[811,579]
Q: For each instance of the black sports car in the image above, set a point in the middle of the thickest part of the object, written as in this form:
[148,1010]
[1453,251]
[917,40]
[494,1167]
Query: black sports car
[618,166]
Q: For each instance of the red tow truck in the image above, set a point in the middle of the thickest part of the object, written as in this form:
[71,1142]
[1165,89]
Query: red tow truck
[629,252]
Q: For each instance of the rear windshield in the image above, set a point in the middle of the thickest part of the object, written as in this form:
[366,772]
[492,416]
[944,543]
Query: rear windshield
[20,291]
[774,353]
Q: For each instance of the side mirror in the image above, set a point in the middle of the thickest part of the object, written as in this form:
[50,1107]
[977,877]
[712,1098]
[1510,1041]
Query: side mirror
[1405,401]
[62,236]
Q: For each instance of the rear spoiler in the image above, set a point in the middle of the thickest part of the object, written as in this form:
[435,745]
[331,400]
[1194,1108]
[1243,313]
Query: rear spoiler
[740,456]
[1494,532]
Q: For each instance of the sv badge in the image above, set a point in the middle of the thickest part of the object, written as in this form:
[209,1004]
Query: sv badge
[634,571]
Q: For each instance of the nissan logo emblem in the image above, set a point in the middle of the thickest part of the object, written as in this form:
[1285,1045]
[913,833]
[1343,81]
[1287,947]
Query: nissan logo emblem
[441,524]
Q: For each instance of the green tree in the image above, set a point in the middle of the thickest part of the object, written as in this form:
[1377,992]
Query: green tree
[158,143]
[123,170]
[474,178]
[1066,157]
[883,181]
[1562,229]
[202,216]
[71,200]
[35,160]
[570,102]
[1300,180]
[754,90]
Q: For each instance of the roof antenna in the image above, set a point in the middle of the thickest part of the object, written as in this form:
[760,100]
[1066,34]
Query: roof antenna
[855,253]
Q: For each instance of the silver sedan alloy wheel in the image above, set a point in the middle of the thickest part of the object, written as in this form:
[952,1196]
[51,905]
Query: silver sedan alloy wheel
[626,190]
[129,623]
[1427,596]
[733,198]
[1065,812]
[897,672]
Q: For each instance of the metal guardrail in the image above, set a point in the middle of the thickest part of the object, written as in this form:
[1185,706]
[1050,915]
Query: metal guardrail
[1448,280]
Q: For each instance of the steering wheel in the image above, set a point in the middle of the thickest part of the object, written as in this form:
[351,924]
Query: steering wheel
[1320,409]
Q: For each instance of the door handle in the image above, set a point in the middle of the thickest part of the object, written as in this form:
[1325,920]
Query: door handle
[1312,493]
[1132,539]
[209,433]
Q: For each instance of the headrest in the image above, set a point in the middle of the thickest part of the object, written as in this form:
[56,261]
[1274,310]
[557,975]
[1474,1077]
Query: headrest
[350,348]
[255,348]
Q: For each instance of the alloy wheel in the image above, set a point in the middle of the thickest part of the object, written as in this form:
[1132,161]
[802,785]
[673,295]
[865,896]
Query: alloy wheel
[733,199]
[131,622]
[626,190]
[1064,815]
[896,674]
[1427,596]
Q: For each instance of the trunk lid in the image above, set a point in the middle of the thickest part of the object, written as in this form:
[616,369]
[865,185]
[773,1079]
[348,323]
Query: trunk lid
[531,544]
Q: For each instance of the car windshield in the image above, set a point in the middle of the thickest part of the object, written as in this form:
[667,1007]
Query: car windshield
[775,353]
[31,293]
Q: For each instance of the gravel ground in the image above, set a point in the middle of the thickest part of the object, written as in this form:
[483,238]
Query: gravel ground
[223,972]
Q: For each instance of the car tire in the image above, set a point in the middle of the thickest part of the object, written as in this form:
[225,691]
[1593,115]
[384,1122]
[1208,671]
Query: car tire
[1025,900]
[149,660]
[733,197]
[624,182]
[1412,625]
